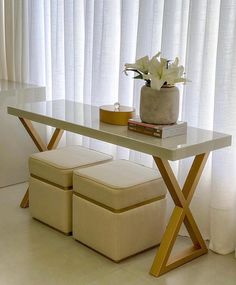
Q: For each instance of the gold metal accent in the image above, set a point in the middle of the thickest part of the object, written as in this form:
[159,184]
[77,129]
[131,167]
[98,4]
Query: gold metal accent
[25,201]
[54,141]
[181,214]
[110,115]
[41,147]
[122,210]
[51,183]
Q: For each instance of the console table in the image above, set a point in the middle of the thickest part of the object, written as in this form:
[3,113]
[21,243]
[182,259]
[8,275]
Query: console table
[84,120]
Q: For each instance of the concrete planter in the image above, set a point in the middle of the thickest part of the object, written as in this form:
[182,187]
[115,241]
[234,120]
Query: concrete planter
[159,107]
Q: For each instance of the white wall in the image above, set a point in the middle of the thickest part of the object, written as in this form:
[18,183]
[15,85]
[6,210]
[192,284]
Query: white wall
[15,143]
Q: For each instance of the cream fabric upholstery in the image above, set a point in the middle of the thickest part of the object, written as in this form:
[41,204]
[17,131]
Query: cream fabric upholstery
[119,184]
[51,171]
[57,165]
[118,236]
[50,205]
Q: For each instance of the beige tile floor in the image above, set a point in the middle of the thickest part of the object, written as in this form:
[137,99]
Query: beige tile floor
[32,253]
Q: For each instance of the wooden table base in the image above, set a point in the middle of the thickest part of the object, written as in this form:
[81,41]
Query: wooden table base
[181,214]
[53,143]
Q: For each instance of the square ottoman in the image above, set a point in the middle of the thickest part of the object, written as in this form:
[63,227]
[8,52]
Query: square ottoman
[118,208]
[50,184]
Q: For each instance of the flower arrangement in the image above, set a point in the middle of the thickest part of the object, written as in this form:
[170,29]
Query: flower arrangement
[157,71]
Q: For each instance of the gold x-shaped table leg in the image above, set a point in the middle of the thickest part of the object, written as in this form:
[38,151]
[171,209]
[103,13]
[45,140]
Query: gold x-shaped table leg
[181,214]
[41,147]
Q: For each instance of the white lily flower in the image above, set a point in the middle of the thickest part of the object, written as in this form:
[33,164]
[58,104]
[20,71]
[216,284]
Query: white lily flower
[158,71]
[156,66]
[175,63]
[156,81]
[141,64]
[173,73]
[157,55]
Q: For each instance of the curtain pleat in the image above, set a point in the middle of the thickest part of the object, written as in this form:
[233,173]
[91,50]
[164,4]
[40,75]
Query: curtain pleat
[198,98]
[79,49]
[223,203]
[128,41]
[57,49]
[69,49]
[37,43]
[3,62]
[25,31]
[9,38]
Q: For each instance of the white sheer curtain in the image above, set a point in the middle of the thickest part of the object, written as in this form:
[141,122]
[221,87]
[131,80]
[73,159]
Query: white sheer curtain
[78,49]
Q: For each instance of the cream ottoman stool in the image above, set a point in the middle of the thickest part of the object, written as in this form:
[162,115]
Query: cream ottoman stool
[50,184]
[118,208]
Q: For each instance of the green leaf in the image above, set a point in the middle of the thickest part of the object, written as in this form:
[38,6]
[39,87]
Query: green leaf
[138,77]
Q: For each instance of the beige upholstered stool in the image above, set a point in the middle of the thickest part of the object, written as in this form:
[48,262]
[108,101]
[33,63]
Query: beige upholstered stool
[50,186]
[118,208]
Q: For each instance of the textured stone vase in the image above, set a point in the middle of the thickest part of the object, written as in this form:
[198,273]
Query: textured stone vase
[159,107]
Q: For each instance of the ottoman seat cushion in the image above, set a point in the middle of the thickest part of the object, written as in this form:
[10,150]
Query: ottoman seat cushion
[119,184]
[57,165]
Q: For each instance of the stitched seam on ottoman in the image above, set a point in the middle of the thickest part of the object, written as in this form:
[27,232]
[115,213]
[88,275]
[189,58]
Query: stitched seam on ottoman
[87,177]
[122,210]
[51,183]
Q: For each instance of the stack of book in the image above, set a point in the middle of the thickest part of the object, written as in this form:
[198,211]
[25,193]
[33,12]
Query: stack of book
[159,131]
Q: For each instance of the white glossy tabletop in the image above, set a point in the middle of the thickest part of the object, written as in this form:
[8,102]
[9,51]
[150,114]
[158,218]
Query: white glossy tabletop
[84,119]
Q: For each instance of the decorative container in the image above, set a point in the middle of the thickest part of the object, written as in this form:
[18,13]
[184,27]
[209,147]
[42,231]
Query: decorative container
[159,106]
[116,114]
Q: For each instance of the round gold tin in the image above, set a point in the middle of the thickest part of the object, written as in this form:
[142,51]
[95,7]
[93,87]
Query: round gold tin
[116,115]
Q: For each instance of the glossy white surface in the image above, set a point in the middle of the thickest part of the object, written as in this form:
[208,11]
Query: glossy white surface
[84,119]
[15,145]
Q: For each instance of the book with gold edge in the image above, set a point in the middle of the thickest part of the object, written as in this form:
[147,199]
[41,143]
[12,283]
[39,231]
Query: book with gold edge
[159,131]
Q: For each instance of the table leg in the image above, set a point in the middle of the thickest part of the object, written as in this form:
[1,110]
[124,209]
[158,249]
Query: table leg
[53,143]
[181,214]
[55,139]
[25,201]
